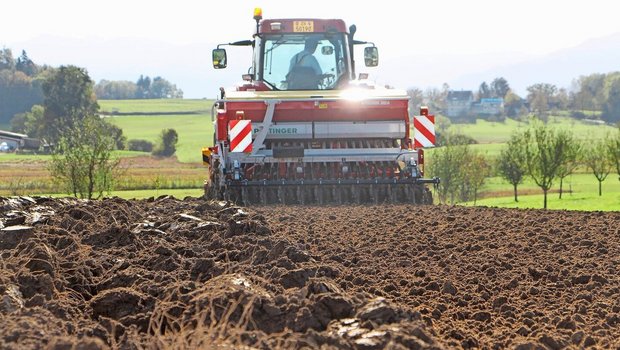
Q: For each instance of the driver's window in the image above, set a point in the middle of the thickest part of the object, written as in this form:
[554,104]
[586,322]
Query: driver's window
[279,50]
[278,54]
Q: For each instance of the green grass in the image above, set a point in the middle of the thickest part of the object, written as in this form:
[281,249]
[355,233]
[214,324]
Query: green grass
[26,157]
[580,193]
[486,132]
[574,201]
[195,131]
[12,157]
[155,106]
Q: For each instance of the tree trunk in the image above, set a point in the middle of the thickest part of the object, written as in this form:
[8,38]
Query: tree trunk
[600,188]
[545,202]
[561,181]
[515,187]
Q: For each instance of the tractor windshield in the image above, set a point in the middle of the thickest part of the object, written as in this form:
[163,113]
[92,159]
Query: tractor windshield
[310,61]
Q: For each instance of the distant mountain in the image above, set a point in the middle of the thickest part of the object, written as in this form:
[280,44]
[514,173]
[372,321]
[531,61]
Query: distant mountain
[189,66]
[601,55]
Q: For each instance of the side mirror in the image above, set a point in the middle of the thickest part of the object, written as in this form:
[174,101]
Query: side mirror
[327,50]
[371,56]
[219,58]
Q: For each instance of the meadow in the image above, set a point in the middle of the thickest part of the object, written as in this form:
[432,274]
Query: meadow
[145,176]
[195,131]
[155,106]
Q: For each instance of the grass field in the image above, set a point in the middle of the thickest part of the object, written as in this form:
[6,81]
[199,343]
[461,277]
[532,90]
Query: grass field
[195,131]
[576,201]
[580,193]
[24,176]
[499,132]
[155,106]
[152,177]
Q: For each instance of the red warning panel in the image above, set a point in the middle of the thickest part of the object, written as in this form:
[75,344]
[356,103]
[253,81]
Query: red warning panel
[240,133]
[424,135]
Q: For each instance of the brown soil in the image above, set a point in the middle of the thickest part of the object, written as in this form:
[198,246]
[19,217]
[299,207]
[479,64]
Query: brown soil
[163,272]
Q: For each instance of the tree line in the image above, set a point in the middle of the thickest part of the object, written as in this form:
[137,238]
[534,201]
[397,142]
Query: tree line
[143,88]
[83,162]
[540,152]
[595,96]
[21,86]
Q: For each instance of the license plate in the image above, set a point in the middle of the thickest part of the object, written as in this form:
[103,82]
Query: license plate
[303,26]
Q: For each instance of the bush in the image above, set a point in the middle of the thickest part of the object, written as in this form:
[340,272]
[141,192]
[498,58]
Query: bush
[454,139]
[167,144]
[140,145]
[578,115]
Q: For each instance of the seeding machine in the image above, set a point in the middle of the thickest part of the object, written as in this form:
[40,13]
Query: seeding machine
[304,127]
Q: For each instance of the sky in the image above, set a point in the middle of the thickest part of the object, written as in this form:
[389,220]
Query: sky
[431,28]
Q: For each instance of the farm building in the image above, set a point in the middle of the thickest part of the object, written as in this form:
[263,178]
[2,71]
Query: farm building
[12,141]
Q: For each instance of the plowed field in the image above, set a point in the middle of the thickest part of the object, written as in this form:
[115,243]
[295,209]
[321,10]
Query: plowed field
[167,273]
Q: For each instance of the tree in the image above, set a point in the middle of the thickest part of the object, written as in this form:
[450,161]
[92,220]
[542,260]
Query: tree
[462,171]
[24,64]
[82,162]
[571,158]
[611,107]
[144,87]
[69,99]
[445,165]
[116,90]
[541,97]
[512,104]
[434,98]
[475,169]
[166,146]
[18,93]
[416,100]
[544,154]
[484,91]
[597,159]
[499,87]
[6,59]
[511,163]
[613,151]
[29,123]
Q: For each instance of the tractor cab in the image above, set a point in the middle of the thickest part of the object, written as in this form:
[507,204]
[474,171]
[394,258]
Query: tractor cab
[300,54]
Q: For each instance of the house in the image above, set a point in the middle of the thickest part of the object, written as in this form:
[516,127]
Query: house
[488,106]
[458,103]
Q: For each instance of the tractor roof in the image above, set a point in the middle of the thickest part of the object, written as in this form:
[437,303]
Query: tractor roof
[302,25]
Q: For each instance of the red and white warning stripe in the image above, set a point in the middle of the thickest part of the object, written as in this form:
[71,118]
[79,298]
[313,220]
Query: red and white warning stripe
[424,135]
[240,133]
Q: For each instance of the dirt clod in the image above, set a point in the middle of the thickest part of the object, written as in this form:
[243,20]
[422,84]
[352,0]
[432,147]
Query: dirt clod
[154,273]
